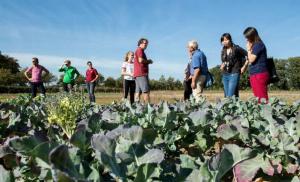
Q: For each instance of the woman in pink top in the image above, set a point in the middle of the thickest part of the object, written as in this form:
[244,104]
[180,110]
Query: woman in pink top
[36,77]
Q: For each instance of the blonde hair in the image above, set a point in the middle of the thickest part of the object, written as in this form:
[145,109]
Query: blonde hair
[126,56]
[193,44]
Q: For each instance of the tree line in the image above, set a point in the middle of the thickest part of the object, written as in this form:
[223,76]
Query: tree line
[288,70]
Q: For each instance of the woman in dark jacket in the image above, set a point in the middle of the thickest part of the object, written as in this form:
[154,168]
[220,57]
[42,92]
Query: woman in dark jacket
[257,56]
[233,58]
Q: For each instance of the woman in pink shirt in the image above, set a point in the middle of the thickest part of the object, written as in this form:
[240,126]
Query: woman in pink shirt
[91,78]
[36,77]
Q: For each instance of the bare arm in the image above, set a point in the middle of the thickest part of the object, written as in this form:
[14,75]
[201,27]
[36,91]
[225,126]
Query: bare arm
[46,71]
[26,75]
[62,68]
[77,74]
[245,66]
[96,78]
[251,57]
[145,61]
[195,77]
[123,72]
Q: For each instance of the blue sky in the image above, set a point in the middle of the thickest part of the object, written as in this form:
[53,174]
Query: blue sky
[104,30]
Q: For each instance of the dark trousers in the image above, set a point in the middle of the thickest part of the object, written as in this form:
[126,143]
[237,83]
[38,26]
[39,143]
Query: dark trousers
[68,86]
[129,87]
[34,86]
[91,90]
[187,89]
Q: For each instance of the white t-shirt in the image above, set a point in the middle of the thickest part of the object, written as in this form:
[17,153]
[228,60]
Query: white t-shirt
[129,70]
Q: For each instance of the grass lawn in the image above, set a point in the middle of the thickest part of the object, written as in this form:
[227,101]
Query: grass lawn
[156,96]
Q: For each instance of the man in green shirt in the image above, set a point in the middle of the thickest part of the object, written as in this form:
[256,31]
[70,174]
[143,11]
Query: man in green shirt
[69,75]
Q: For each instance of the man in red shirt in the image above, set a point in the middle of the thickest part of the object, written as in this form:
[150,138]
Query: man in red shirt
[141,70]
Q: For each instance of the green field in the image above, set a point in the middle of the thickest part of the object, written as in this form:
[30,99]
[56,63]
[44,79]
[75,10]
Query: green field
[170,96]
[64,138]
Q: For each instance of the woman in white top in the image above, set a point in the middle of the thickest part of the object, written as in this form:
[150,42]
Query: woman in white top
[127,72]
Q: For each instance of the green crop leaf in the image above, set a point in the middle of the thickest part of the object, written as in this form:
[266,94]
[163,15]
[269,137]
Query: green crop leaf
[227,131]
[79,138]
[6,176]
[63,166]
[145,172]
[42,151]
[187,162]
[199,117]
[247,169]
[103,144]
[221,163]
[23,144]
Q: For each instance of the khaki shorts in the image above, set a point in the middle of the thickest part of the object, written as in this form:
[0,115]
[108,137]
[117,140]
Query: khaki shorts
[142,84]
[200,83]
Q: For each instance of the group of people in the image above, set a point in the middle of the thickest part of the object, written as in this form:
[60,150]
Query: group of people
[34,76]
[135,70]
[235,61]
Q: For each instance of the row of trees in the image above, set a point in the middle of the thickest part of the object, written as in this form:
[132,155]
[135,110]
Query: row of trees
[11,74]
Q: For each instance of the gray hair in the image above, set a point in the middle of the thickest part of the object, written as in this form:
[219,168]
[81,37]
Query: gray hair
[193,44]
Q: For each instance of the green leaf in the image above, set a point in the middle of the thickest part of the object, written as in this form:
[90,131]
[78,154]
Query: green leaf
[266,112]
[243,131]
[134,133]
[239,153]
[94,175]
[42,150]
[5,150]
[94,123]
[247,169]
[201,175]
[105,152]
[79,138]
[295,179]
[224,161]
[199,117]
[291,127]
[187,162]
[152,156]
[63,166]
[287,143]
[298,123]
[110,116]
[6,176]
[201,141]
[103,144]
[227,131]
[24,144]
[145,172]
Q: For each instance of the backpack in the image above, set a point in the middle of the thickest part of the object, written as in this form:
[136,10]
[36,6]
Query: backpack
[272,71]
[209,80]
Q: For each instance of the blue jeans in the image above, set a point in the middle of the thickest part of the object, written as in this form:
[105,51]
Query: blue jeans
[231,83]
[91,90]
